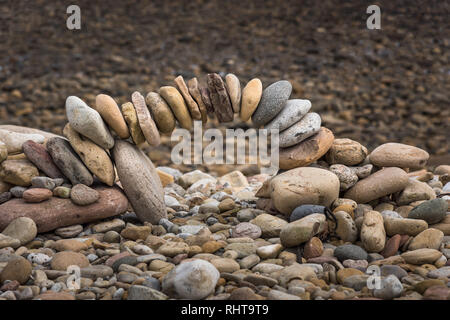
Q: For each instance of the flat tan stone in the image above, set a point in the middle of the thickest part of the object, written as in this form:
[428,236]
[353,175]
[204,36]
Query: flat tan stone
[146,122]
[109,110]
[129,113]
[160,110]
[192,105]
[176,102]
[251,95]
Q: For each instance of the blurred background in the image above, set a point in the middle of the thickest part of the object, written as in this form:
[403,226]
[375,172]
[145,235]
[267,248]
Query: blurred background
[372,86]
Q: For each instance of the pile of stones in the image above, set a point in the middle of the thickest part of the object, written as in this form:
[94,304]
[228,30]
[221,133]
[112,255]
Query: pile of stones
[94,200]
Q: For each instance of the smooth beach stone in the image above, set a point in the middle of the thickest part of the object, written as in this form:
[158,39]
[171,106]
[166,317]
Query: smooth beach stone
[432,211]
[347,176]
[14,140]
[56,212]
[306,127]
[130,116]
[176,102]
[219,98]
[94,157]
[430,238]
[373,235]
[390,288]
[18,172]
[140,182]
[380,184]
[251,95]
[18,269]
[307,151]
[160,110]
[399,155]
[88,122]
[421,256]
[110,112]
[234,91]
[305,210]
[346,151]
[346,227]
[191,104]
[146,122]
[35,195]
[302,230]
[24,229]
[83,195]
[415,191]
[3,151]
[306,185]
[273,100]
[62,192]
[194,90]
[293,112]
[411,227]
[39,156]
[6,241]
[43,182]
[350,251]
[191,280]
[68,162]
[6,196]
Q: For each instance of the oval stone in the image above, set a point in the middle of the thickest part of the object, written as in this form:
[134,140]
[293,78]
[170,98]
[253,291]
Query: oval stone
[160,110]
[399,155]
[146,122]
[176,102]
[273,99]
[191,104]
[293,111]
[251,95]
[305,128]
[109,110]
[234,91]
[432,211]
[377,185]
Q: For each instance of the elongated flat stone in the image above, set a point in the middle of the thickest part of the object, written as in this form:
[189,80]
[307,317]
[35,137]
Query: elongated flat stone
[68,161]
[109,110]
[88,122]
[192,105]
[234,91]
[176,102]
[194,90]
[305,128]
[293,111]
[219,98]
[140,182]
[160,110]
[146,122]
[56,212]
[40,157]
[14,140]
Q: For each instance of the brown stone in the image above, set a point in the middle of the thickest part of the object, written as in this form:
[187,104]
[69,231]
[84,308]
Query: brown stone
[392,246]
[109,110]
[62,260]
[146,122]
[194,90]
[57,212]
[35,195]
[160,110]
[40,157]
[219,98]
[176,102]
[192,105]
[307,151]
[17,269]
[399,155]
[313,248]
[18,172]
[51,295]
[204,91]
[346,151]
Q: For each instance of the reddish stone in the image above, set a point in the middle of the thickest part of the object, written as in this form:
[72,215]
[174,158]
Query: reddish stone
[437,293]
[40,157]
[219,98]
[116,257]
[10,286]
[57,212]
[404,239]
[51,295]
[36,195]
[391,246]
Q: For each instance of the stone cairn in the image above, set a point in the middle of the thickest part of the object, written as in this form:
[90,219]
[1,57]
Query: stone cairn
[309,232]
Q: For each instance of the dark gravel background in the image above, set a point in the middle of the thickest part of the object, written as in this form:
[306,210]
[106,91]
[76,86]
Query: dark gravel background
[370,85]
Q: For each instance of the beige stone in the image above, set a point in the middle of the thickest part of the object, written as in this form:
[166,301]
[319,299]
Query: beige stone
[346,151]
[373,235]
[430,238]
[109,110]
[234,91]
[421,256]
[160,110]
[399,155]
[300,231]
[411,227]
[146,122]
[176,102]
[129,113]
[251,95]
[18,172]
[194,90]
[191,104]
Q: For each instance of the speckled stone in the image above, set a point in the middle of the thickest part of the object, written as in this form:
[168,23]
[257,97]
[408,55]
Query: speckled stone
[293,111]
[305,128]
[219,98]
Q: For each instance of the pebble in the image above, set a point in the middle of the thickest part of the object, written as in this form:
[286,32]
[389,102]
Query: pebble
[246,229]
[430,238]
[219,98]
[346,227]
[190,102]
[415,191]
[350,251]
[5,196]
[145,119]
[225,265]
[137,292]
[306,152]
[82,195]
[6,241]
[3,151]
[432,211]
[347,152]
[302,230]
[176,102]
[36,195]
[347,177]
[437,293]
[293,112]
[363,171]
[39,258]
[88,122]
[391,288]
[394,270]
[421,256]
[23,229]
[93,157]
[194,90]
[251,96]
[399,155]
[68,162]
[381,183]
[161,113]
[273,100]
[109,111]
[18,172]
[305,210]
[191,280]
[305,128]
[392,246]
[140,182]
[373,235]
[39,156]
[269,252]
[62,192]
[130,116]
[303,186]
[16,191]
[43,182]
[136,232]
[18,269]
[411,227]
[14,140]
